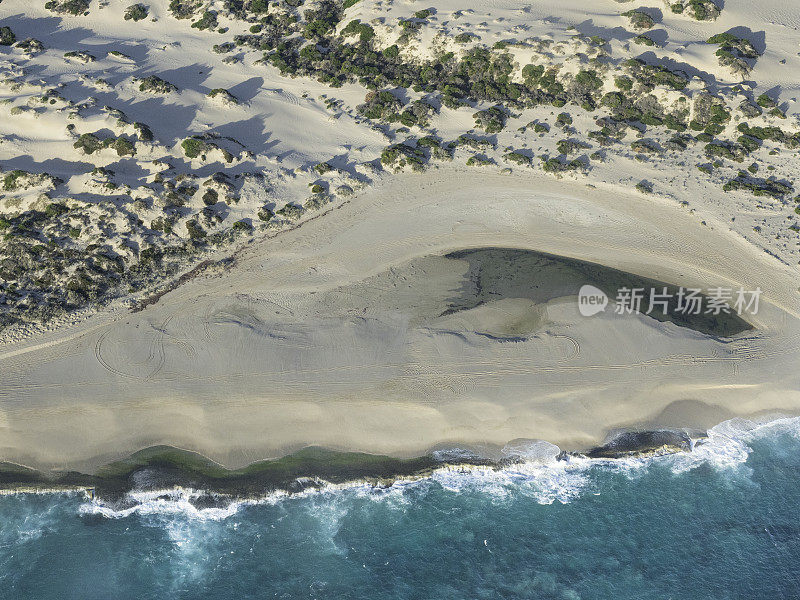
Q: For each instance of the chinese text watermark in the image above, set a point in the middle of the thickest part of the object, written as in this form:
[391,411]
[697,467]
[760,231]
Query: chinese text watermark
[685,301]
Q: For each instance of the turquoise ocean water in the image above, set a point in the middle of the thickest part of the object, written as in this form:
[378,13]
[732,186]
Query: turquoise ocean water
[721,522]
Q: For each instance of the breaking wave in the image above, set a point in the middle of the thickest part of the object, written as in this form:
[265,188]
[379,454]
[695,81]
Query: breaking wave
[540,471]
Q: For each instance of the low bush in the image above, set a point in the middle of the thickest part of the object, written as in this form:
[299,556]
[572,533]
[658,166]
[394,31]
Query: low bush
[155,85]
[89,143]
[194,147]
[639,19]
[518,158]
[136,12]
[7,36]
[196,232]
[759,187]
[70,7]
[207,21]
[491,120]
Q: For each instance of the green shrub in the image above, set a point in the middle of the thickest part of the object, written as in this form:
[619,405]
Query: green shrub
[748,143]
[624,83]
[136,12]
[644,40]
[318,28]
[568,147]
[80,55]
[145,134]
[207,21]
[242,226]
[155,85]
[702,10]
[224,94]
[674,123]
[416,114]
[653,75]
[290,211]
[89,143]
[473,142]
[400,155]
[194,147]
[563,119]
[124,147]
[184,9]
[356,27]
[532,74]
[7,36]
[117,54]
[11,179]
[725,150]
[223,48]
[733,44]
[56,209]
[381,105]
[465,38]
[639,19]
[759,187]
[479,161]
[392,51]
[195,231]
[491,120]
[645,147]
[210,197]
[556,165]
[518,158]
[71,7]
[765,101]
[589,79]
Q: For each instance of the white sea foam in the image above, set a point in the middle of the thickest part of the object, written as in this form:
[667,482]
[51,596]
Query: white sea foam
[541,473]
[724,448]
[727,445]
[175,501]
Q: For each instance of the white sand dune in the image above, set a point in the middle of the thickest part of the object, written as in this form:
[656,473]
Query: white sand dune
[318,335]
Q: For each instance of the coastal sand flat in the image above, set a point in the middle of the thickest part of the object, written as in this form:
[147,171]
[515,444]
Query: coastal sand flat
[330,334]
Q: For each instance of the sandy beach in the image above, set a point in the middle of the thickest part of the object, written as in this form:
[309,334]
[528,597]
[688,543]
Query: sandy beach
[333,334]
[363,299]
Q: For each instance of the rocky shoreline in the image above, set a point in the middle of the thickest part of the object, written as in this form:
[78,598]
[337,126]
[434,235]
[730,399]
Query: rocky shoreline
[166,468]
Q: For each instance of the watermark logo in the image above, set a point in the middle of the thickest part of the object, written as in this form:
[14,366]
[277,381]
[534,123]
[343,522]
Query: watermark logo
[591,300]
[685,301]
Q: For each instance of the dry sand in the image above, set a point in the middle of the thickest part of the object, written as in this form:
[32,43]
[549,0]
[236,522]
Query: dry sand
[329,334]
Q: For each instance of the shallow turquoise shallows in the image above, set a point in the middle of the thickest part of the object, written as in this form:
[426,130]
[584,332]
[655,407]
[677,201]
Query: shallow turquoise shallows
[722,522]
